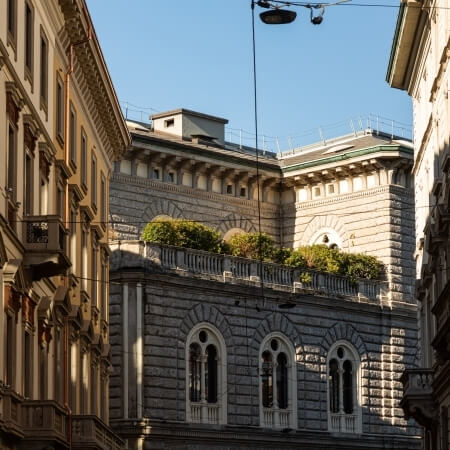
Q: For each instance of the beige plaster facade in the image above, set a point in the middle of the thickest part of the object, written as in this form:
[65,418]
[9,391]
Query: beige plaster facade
[57,148]
[419,64]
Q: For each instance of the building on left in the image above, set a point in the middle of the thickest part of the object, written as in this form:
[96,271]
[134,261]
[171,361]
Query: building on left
[60,130]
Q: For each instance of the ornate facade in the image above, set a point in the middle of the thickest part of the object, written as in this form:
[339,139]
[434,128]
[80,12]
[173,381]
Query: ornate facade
[61,129]
[420,65]
[212,350]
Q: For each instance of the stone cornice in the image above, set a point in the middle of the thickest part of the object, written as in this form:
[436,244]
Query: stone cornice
[254,435]
[404,42]
[383,150]
[202,151]
[90,58]
[352,196]
[191,192]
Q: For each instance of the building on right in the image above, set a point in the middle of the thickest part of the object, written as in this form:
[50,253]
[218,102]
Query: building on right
[419,64]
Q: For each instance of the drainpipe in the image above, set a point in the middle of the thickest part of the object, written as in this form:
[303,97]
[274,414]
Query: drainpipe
[67,222]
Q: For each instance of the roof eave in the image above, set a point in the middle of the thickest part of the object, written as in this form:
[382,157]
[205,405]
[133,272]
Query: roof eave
[406,30]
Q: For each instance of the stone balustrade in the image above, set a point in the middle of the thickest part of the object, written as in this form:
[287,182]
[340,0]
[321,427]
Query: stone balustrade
[44,420]
[417,398]
[228,268]
[91,432]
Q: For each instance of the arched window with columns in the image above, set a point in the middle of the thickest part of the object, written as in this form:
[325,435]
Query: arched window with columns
[344,405]
[206,376]
[278,382]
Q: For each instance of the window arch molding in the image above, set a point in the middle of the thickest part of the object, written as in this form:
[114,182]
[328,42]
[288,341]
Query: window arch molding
[277,382]
[328,237]
[344,388]
[206,375]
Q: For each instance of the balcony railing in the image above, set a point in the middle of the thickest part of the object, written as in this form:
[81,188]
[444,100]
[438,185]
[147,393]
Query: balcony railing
[44,420]
[276,418]
[343,423]
[89,432]
[417,401]
[205,413]
[10,411]
[45,242]
[228,268]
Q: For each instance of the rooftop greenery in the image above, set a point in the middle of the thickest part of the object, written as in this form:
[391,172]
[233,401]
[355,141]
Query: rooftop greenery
[190,234]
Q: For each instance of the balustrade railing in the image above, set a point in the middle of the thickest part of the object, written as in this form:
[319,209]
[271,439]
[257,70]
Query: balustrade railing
[197,261]
[205,412]
[91,432]
[343,423]
[418,399]
[45,419]
[276,418]
[418,382]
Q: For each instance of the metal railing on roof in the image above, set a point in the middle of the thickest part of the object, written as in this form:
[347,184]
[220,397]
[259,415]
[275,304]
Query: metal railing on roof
[240,139]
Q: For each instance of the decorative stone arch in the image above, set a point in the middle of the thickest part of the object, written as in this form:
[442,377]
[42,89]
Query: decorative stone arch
[159,207]
[343,332]
[202,313]
[237,222]
[322,224]
[277,322]
[210,314]
[201,339]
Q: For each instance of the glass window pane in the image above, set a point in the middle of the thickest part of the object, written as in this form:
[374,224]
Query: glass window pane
[211,374]
[267,379]
[348,387]
[282,381]
[333,386]
[194,372]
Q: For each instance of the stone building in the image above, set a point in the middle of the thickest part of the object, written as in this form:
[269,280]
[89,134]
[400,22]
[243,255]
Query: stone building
[217,351]
[61,128]
[419,64]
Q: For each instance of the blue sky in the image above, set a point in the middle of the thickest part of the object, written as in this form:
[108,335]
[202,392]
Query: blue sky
[197,54]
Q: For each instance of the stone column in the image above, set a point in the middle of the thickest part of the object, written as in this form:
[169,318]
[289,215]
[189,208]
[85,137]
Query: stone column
[275,396]
[125,349]
[204,411]
[139,350]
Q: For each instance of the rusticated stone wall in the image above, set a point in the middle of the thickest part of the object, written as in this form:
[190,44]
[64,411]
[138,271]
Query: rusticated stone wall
[172,304]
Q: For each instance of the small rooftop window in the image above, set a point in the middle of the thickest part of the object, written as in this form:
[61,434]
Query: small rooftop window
[169,122]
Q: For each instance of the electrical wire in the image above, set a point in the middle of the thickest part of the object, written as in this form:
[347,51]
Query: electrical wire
[256,154]
[368,5]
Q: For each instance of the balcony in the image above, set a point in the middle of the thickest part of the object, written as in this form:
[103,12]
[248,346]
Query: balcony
[44,421]
[417,401]
[10,412]
[205,413]
[91,433]
[343,423]
[277,418]
[235,270]
[45,242]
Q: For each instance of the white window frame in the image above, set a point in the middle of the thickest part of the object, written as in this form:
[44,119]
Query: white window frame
[274,417]
[342,422]
[203,412]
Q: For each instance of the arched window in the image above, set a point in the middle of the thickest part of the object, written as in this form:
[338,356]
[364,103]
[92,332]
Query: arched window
[344,412]
[205,375]
[278,386]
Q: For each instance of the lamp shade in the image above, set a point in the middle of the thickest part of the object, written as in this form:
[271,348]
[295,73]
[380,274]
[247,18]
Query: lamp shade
[278,16]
